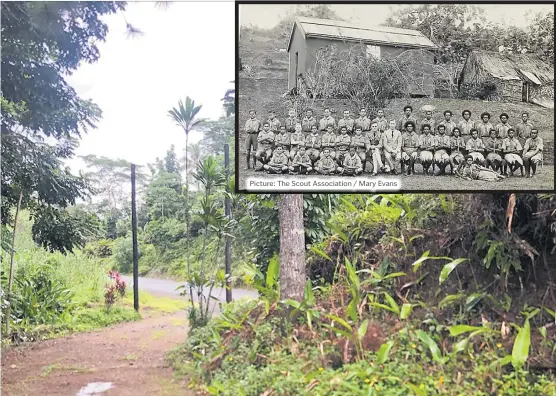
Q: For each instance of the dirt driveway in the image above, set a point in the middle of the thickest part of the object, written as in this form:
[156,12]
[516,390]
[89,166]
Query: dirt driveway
[130,357]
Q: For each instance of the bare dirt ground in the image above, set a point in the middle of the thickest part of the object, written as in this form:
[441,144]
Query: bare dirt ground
[130,356]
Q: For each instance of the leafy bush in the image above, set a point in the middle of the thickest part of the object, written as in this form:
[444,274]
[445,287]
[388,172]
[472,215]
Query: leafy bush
[99,249]
[123,255]
[486,90]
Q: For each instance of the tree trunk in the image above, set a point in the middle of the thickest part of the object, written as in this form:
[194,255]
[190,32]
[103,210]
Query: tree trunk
[11,278]
[292,247]
[187,222]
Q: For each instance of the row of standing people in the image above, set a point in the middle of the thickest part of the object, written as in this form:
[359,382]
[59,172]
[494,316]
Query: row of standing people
[384,150]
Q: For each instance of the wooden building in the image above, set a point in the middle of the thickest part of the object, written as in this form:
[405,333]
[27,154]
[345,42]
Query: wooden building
[311,34]
[515,77]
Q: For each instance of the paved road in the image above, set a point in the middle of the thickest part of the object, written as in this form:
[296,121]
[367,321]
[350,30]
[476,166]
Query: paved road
[164,287]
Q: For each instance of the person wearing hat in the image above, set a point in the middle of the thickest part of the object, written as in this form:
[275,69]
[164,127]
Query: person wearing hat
[407,116]
[265,142]
[274,122]
[532,152]
[473,171]
[449,125]
[442,146]
[252,128]
[426,149]
[503,126]
[278,163]
[457,147]
[483,127]
[410,147]
[475,147]
[494,148]
[512,153]
[466,125]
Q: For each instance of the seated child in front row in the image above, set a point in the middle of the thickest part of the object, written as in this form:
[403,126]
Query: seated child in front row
[279,162]
[326,165]
[301,163]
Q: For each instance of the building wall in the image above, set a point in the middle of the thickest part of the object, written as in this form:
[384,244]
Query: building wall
[298,45]
[423,60]
[544,91]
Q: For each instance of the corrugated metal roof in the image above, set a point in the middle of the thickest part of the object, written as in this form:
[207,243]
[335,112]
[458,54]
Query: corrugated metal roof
[313,27]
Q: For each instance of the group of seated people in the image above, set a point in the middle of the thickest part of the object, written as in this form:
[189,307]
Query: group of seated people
[476,150]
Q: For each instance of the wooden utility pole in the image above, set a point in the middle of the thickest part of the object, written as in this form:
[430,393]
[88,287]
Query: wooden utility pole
[227,211]
[135,248]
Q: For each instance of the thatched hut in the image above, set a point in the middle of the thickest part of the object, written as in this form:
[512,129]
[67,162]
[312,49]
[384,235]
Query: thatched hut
[508,77]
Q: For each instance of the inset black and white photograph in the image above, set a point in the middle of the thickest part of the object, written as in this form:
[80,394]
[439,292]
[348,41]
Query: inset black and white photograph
[363,97]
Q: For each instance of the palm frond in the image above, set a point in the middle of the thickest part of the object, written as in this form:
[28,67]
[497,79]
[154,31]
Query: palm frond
[132,31]
[162,5]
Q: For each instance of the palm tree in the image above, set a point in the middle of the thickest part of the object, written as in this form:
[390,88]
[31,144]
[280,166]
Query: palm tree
[186,117]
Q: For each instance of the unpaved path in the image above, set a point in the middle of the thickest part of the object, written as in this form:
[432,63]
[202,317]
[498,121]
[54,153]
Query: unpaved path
[129,355]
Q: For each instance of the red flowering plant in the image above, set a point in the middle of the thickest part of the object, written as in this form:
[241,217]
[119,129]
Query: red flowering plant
[116,286]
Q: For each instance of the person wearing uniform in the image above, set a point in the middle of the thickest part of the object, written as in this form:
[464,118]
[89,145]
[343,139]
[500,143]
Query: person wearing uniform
[532,152]
[328,140]
[442,146]
[503,126]
[407,116]
[279,162]
[347,121]
[449,125]
[361,144]
[428,120]
[297,140]
[472,171]
[483,127]
[301,163]
[523,129]
[351,164]
[326,165]
[274,122]
[252,128]
[466,125]
[313,144]
[374,151]
[327,121]
[426,149]
[392,146]
[291,121]
[308,121]
[283,139]
[457,147]
[494,148]
[343,141]
[381,121]
[265,142]
[410,147]
[512,153]
[475,147]
[363,121]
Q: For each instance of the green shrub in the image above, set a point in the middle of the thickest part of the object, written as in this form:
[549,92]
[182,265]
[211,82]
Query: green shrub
[99,249]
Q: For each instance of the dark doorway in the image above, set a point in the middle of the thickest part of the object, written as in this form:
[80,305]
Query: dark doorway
[525,92]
